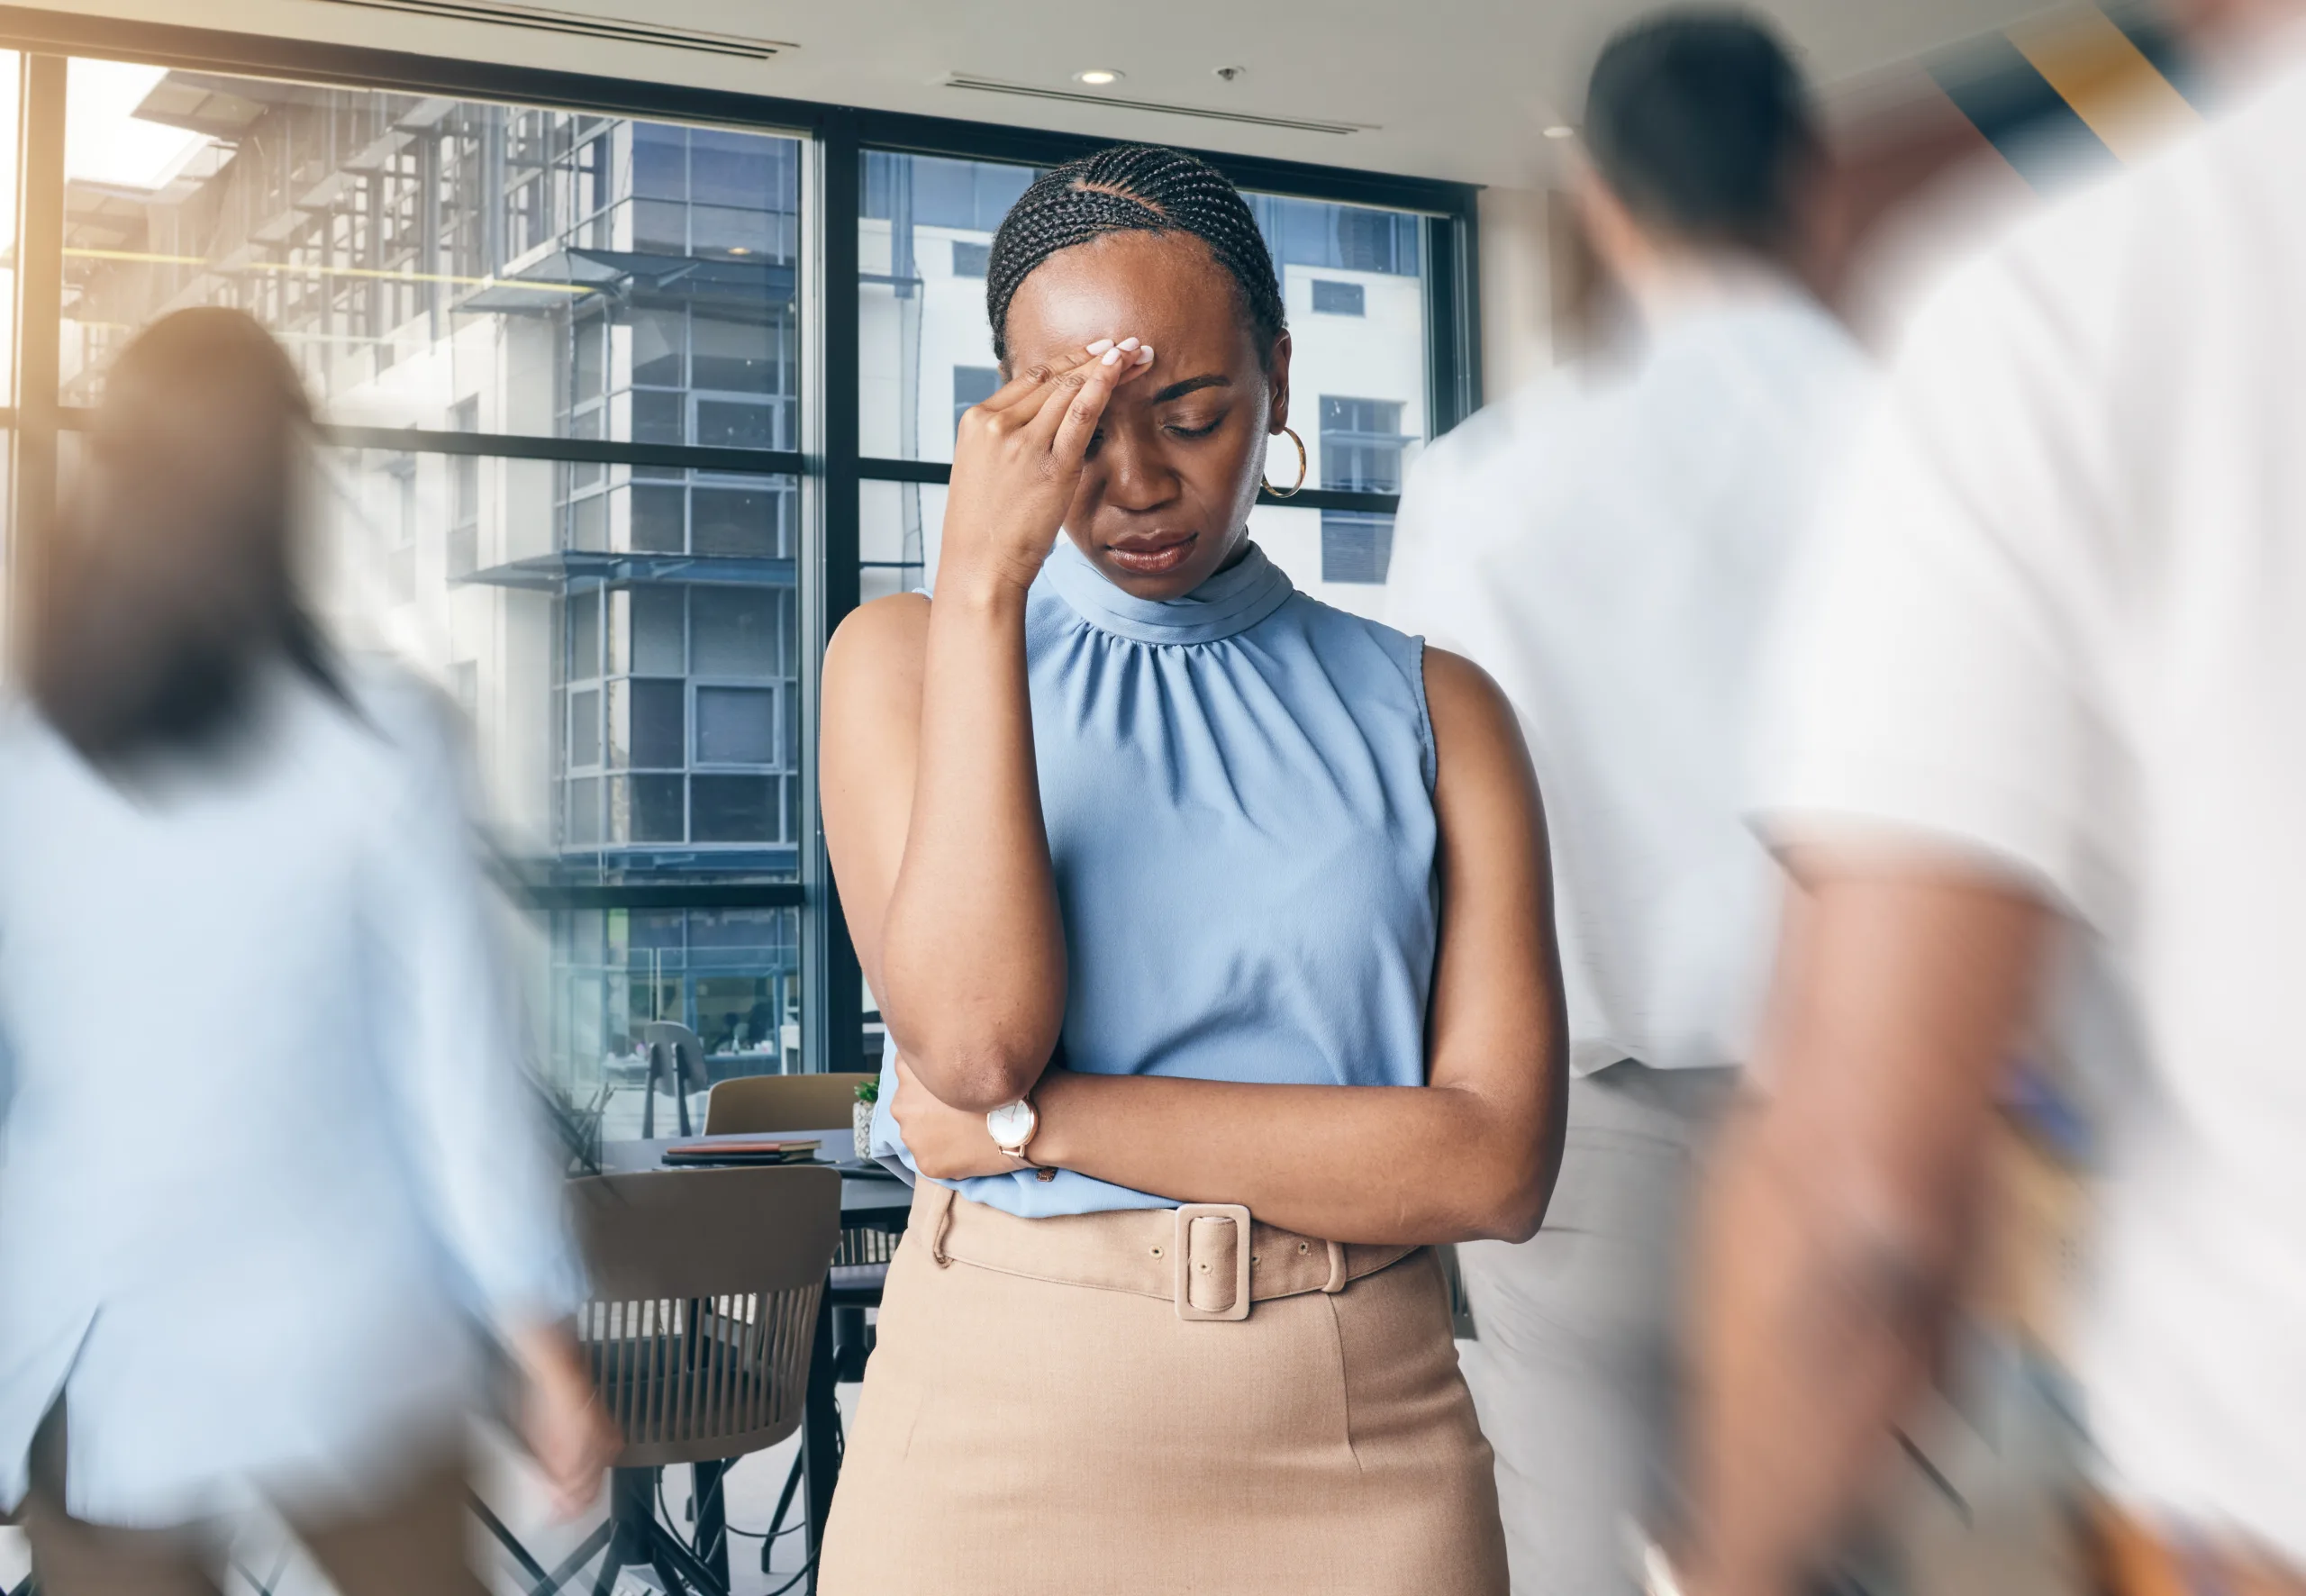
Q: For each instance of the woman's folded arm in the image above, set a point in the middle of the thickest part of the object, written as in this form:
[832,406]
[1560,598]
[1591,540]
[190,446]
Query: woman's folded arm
[1367,1163]
[1472,1154]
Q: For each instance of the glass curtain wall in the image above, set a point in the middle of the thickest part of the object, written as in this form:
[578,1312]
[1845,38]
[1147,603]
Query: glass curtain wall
[562,360]
[558,354]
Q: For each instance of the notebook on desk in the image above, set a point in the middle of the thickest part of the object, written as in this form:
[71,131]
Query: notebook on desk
[742,1150]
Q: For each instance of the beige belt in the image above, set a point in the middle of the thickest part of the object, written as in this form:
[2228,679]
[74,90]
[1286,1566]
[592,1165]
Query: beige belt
[1193,1255]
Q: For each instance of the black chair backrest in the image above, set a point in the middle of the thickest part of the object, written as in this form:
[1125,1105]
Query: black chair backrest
[683,1058]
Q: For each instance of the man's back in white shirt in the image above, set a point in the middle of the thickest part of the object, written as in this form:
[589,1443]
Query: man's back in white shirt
[1609,545]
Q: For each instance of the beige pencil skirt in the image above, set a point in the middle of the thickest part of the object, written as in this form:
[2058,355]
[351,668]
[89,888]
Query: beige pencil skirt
[1097,1404]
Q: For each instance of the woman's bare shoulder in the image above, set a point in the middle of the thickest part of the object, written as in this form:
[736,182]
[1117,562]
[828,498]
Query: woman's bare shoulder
[879,644]
[881,623]
[1476,735]
[1466,702]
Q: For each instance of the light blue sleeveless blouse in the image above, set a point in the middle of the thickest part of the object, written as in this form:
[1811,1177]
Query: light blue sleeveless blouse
[1237,787]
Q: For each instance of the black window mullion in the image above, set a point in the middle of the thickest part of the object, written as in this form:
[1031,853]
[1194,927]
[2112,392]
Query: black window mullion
[511,446]
[1452,320]
[524,445]
[545,896]
[889,468]
[884,468]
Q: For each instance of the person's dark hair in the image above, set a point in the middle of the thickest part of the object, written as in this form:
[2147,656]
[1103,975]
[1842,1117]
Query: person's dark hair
[1133,188]
[1700,122]
[169,579]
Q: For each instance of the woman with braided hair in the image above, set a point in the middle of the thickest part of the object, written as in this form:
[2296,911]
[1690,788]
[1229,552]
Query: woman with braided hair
[1212,929]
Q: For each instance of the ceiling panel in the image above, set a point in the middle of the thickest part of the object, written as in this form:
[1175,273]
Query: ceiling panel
[1445,88]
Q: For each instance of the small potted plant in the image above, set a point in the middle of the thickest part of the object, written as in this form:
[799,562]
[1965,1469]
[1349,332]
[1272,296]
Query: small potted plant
[860,1115]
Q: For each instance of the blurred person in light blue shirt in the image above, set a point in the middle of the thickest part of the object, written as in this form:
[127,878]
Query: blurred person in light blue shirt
[249,1250]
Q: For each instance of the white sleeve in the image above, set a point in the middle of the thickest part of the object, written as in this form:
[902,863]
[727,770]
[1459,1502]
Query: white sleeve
[451,1045]
[1942,662]
[1443,516]
[1408,574]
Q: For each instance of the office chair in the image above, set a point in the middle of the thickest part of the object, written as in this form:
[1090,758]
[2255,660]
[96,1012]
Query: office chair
[706,1284]
[677,1057]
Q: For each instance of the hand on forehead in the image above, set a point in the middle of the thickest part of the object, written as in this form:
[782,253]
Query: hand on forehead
[1163,289]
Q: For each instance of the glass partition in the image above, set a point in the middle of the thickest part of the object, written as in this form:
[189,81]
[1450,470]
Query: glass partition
[624,636]
[562,360]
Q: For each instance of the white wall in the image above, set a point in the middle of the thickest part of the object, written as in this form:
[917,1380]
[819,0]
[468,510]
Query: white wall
[1517,333]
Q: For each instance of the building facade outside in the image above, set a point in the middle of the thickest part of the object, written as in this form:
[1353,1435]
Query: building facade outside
[626,637]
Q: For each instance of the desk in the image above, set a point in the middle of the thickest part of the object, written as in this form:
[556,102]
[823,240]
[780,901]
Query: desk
[868,1202]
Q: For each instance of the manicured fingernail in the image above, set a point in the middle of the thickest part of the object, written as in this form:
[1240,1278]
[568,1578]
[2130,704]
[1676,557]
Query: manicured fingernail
[1128,344]
[1100,346]
[1145,356]
[1111,356]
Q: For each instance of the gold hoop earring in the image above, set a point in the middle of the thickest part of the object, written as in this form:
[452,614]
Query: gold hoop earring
[1291,491]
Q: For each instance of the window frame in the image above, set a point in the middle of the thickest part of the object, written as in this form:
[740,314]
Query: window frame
[826,464]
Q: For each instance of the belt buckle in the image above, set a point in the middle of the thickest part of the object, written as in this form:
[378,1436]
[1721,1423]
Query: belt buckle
[1186,1214]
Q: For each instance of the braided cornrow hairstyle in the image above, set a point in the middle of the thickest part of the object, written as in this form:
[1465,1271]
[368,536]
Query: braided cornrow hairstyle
[1133,188]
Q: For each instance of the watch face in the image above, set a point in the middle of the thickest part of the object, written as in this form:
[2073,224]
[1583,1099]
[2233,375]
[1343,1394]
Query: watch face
[1010,1123]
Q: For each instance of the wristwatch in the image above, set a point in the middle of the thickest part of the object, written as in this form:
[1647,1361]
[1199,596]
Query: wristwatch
[1013,1126]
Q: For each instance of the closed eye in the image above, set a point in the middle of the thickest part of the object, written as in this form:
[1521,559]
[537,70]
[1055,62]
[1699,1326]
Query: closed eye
[1173,429]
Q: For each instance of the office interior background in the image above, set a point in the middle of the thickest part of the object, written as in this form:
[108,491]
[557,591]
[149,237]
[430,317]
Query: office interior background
[639,334]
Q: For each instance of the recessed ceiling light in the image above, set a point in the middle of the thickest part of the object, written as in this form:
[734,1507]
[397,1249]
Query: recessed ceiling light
[738,250]
[1561,130]
[1230,74]
[1096,76]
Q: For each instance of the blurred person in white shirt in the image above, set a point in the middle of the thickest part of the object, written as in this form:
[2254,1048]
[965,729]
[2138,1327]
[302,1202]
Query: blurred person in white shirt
[1609,544]
[2042,765]
[256,1260]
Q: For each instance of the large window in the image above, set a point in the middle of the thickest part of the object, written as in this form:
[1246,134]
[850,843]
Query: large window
[508,295]
[608,457]
[1362,446]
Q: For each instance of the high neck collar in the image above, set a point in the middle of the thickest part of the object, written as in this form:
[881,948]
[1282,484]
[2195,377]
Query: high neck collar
[1231,602]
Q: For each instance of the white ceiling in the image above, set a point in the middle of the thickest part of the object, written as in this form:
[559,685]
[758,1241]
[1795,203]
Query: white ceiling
[1457,88]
